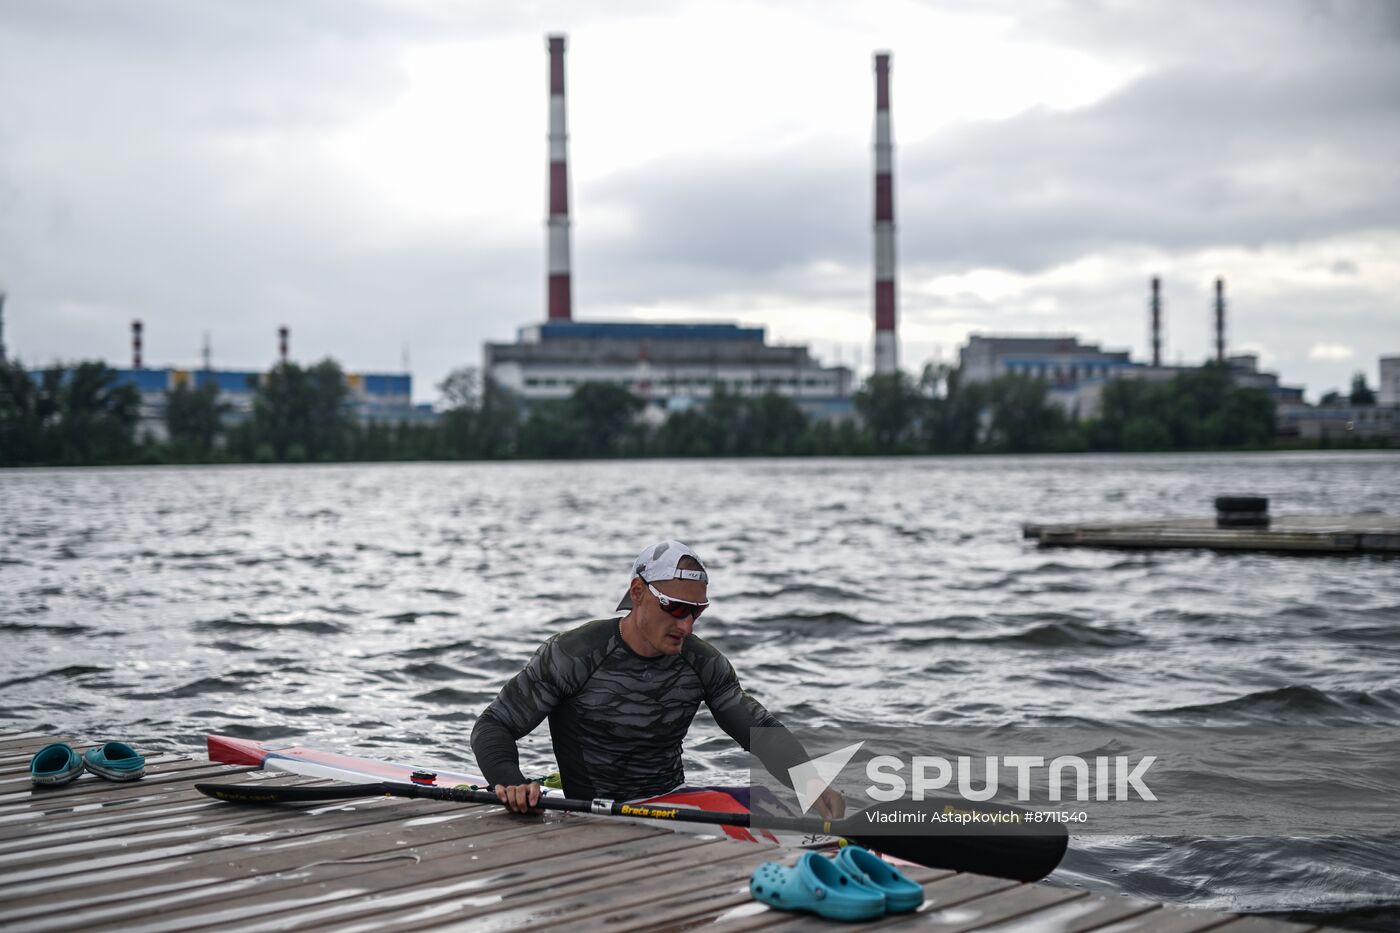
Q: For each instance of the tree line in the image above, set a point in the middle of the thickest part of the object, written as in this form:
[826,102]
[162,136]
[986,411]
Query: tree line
[81,415]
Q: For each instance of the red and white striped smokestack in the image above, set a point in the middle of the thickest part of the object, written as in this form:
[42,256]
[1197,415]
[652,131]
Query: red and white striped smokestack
[136,344]
[561,301]
[886,345]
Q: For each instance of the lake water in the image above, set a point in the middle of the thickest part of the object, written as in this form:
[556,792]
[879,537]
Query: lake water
[380,607]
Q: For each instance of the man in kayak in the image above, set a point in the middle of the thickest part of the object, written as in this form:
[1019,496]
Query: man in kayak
[620,695]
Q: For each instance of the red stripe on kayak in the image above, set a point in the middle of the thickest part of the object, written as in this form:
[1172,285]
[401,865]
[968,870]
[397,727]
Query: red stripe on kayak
[716,802]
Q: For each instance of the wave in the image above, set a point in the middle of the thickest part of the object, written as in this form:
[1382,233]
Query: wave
[431,670]
[451,696]
[1058,634]
[813,623]
[235,682]
[810,590]
[257,733]
[61,673]
[1297,703]
[408,618]
[235,624]
[432,651]
[51,629]
[1383,634]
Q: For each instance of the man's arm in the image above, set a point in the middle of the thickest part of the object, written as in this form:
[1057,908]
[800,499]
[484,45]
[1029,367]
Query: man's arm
[522,704]
[737,713]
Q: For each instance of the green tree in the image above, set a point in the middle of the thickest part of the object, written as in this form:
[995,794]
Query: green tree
[24,411]
[96,417]
[773,424]
[300,414]
[194,417]
[1361,393]
[1022,417]
[953,420]
[604,415]
[891,406]
[481,420]
[686,433]
[550,432]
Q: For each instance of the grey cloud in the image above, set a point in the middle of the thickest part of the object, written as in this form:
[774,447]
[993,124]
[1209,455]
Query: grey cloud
[1179,160]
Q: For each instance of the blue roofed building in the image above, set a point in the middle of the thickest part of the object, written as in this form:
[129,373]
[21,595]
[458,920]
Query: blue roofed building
[1076,373]
[384,397]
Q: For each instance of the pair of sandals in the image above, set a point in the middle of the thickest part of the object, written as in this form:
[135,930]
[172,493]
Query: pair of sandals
[855,885]
[59,764]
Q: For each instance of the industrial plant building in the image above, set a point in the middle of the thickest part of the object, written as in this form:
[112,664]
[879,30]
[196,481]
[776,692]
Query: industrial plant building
[668,366]
[1076,373]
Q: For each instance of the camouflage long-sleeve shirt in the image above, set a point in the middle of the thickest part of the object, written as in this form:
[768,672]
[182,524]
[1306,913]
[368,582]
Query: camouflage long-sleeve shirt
[617,719]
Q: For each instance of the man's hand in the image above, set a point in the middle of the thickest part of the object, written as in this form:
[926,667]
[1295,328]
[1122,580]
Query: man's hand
[519,798]
[831,805]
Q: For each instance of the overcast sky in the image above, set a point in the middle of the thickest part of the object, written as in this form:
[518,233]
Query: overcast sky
[372,174]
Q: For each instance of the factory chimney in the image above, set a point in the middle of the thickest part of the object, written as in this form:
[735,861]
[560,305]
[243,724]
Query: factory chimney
[1156,321]
[136,344]
[282,333]
[886,346]
[2,327]
[1220,320]
[560,288]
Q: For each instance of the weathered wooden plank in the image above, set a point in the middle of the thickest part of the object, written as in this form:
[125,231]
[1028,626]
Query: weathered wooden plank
[533,880]
[636,892]
[1169,920]
[1302,534]
[19,780]
[434,852]
[181,806]
[93,789]
[941,892]
[60,816]
[488,868]
[140,836]
[26,739]
[535,876]
[1076,916]
[946,887]
[1021,901]
[135,861]
[369,836]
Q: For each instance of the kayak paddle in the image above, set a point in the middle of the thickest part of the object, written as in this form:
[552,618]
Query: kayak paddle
[1024,855]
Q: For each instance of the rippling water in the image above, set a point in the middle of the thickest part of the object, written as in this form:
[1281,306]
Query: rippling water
[380,608]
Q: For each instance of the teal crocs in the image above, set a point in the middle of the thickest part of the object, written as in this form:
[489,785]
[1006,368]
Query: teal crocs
[115,761]
[817,886]
[55,764]
[869,870]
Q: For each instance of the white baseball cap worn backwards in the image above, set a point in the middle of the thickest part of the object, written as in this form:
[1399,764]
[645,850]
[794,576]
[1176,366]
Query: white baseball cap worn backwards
[658,562]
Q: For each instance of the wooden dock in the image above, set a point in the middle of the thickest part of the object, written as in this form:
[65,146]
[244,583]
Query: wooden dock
[1296,534]
[155,855]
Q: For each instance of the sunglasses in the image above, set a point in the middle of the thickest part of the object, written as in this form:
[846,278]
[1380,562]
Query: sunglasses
[677,608]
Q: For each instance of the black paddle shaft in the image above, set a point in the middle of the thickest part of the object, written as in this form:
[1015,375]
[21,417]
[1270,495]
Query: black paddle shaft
[250,793]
